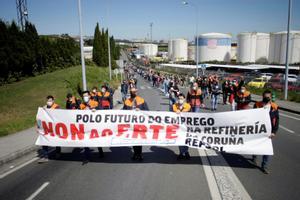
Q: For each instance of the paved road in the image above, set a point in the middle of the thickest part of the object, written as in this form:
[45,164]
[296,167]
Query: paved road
[161,176]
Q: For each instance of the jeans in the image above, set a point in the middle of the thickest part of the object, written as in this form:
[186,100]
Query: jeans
[124,96]
[265,160]
[196,109]
[45,151]
[183,150]
[214,101]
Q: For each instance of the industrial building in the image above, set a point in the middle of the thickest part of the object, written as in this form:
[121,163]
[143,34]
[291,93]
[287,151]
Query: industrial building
[277,53]
[253,47]
[214,47]
[149,50]
[178,50]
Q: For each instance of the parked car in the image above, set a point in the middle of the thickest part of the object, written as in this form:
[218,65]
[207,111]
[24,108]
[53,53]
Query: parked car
[278,84]
[268,76]
[258,82]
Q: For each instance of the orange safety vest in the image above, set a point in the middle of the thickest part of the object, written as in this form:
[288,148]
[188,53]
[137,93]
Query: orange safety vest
[91,105]
[195,98]
[186,107]
[104,99]
[137,102]
[54,106]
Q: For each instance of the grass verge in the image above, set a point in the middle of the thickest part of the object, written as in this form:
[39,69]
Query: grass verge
[19,101]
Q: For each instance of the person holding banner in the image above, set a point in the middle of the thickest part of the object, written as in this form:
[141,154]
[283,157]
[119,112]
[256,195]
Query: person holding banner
[242,99]
[194,97]
[135,102]
[274,117]
[49,105]
[89,104]
[104,98]
[178,107]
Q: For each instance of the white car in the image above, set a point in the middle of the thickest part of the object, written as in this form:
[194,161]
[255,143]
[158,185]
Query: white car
[267,76]
[291,77]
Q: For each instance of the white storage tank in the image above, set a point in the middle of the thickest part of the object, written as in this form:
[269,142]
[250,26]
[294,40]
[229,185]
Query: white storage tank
[150,50]
[179,50]
[170,50]
[277,52]
[214,46]
[262,48]
[253,47]
[191,52]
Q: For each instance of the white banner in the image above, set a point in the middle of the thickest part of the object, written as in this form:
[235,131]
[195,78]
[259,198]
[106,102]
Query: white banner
[241,132]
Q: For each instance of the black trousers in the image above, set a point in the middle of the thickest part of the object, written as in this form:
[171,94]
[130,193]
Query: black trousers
[137,150]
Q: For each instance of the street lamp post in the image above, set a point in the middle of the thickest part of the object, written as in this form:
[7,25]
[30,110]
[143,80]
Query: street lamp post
[287,53]
[81,48]
[196,43]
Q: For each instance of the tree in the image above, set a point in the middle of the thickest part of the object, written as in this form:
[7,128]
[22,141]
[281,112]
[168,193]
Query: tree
[97,49]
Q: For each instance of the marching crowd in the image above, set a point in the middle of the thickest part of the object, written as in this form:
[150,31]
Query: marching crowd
[200,88]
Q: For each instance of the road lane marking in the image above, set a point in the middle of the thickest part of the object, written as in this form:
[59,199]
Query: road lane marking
[212,184]
[38,191]
[228,184]
[18,167]
[286,129]
[288,116]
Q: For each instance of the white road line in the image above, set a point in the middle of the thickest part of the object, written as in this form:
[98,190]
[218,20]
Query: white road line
[18,167]
[286,129]
[212,184]
[222,181]
[38,191]
[288,116]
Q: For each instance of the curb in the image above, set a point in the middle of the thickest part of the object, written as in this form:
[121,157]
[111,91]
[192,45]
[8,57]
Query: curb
[29,149]
[17,154]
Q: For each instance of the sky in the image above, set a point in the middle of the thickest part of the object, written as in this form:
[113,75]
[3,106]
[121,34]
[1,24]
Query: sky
[130,19]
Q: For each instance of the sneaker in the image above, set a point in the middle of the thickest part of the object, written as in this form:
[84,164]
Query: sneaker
[265,170]
[43,160]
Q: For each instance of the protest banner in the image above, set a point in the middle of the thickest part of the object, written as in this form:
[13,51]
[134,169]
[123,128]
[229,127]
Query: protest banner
[241,132]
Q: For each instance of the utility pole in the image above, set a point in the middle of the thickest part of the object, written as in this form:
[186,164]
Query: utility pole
[81,48]
[22,13]
[109,56]
[287,53]
[151,24]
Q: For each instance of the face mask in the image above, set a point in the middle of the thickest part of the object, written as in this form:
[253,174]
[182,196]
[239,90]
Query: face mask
[103,90]
[86,99]
[194,88]
[266,99]
[242,91]
[49,103]
[180,101]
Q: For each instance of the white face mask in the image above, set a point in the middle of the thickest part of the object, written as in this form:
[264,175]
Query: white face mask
[103,90]
[242,91]
[94,91]
[49,103]
[180,101]
[86,99]
[194,88]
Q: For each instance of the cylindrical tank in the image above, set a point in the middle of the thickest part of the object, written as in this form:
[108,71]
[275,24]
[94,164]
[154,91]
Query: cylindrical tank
[214,46]
[253,47]
[149,50]
[179,50]
[262,48]
[191,52]
[246,43]
[170,49]
[294,47]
